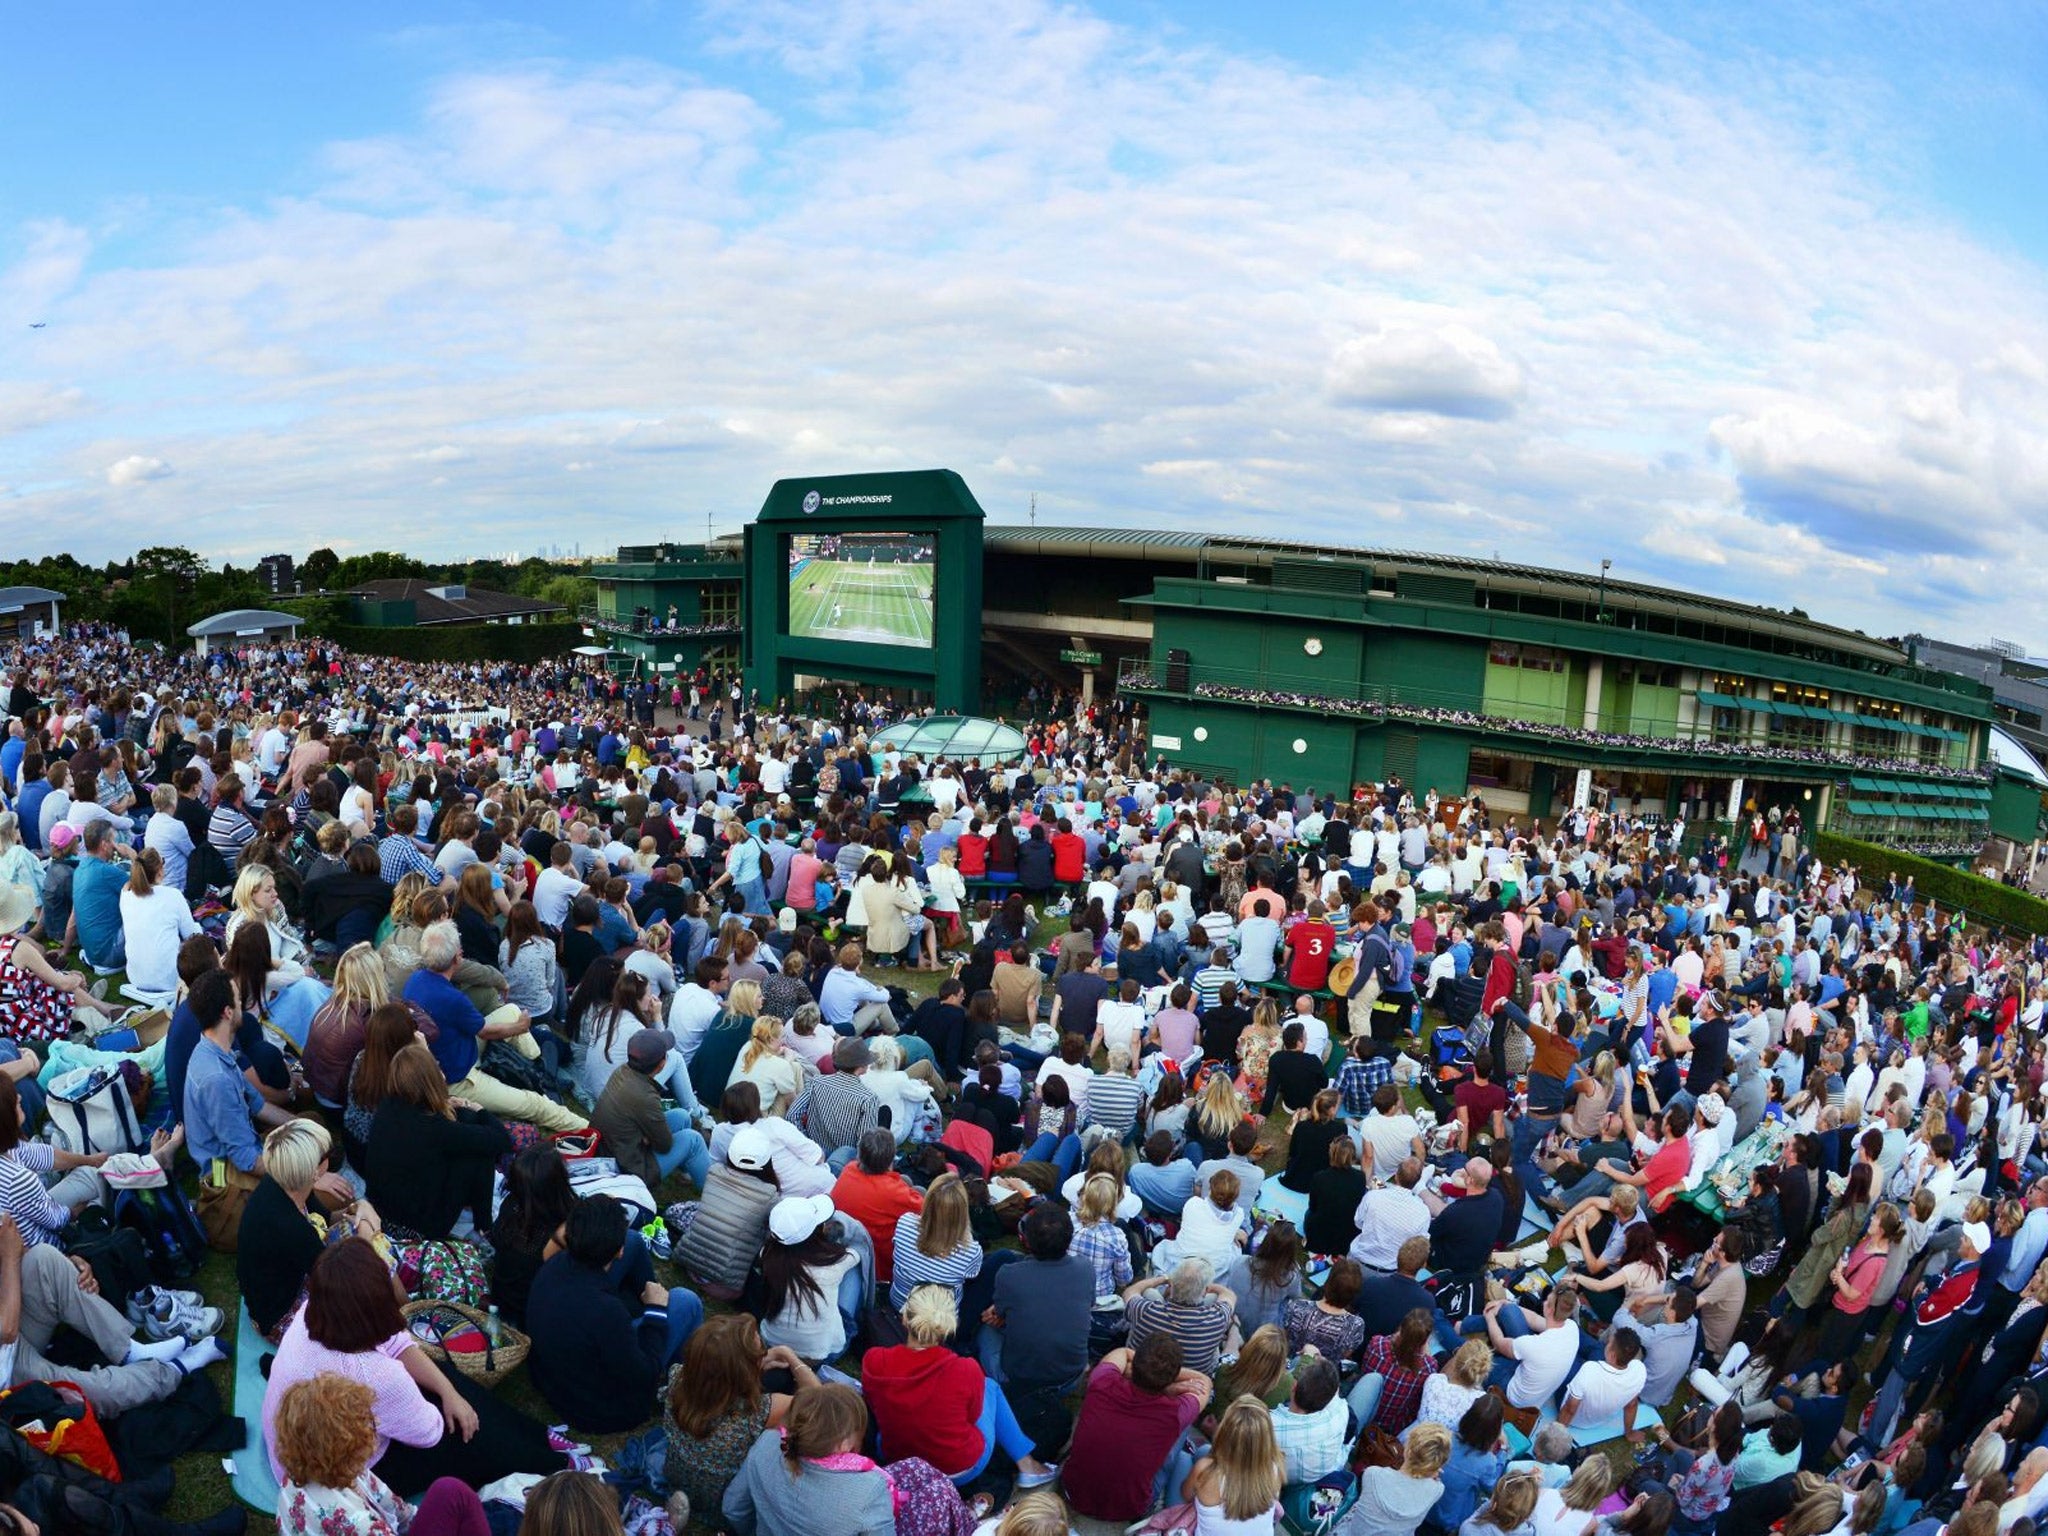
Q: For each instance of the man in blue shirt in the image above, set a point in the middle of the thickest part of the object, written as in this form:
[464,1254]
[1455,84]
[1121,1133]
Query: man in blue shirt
[96,900]
[432,988]
[221,1106]
[35,789]
[11,753]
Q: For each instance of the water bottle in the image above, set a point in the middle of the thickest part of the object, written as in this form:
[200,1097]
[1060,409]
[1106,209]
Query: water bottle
[491,1330]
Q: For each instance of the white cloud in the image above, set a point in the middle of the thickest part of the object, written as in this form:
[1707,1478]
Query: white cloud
[136,468]
[1447,371]
[1580,296]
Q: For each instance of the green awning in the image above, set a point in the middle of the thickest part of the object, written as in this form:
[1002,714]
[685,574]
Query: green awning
[1862,808]
[1863,782]
[1717,701]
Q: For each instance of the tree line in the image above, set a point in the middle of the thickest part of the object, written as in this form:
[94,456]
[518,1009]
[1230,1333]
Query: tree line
[158,591]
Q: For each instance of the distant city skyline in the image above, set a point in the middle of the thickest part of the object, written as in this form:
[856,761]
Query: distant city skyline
[1751,299]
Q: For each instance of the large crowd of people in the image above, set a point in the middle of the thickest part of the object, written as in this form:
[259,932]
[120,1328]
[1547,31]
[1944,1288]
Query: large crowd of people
[880,1145]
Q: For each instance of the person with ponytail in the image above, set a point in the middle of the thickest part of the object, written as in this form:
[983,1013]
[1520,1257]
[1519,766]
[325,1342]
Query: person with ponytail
[155,920]
[765,1062]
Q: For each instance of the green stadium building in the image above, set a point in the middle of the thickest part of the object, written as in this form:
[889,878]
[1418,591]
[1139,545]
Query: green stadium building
[1321,665]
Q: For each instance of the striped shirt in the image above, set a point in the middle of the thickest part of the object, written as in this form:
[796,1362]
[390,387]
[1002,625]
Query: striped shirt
[915,1268]
[1208,984]
[230,830]
[23,1196]
[1114,1103]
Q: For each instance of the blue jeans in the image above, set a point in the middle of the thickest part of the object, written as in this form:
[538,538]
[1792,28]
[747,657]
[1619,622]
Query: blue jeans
[853,1301]
[1515,1325]
[662,1334]
[31,1093]
[1063,1152]
[999,1427]
[687,1152]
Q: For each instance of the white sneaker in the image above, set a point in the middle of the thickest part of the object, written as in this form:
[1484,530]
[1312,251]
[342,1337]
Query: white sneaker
[163,1314]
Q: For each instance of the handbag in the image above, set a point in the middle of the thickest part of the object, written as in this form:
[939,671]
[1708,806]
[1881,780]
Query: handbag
[57,1418]
[223,1191]
[1375,1448]
[432,1270]
[93,1109]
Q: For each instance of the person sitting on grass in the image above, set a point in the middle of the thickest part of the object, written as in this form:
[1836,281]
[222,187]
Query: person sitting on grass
[326,1439]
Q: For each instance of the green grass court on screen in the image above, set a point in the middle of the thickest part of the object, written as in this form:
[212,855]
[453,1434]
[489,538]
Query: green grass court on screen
[873,589]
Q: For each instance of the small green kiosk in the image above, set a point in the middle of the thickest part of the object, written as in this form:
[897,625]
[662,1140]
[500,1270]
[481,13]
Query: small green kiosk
[867,579]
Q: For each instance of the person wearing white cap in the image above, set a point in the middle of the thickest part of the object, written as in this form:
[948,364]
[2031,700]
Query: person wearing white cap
[772,1142]
[811,1279]
[1712,1136]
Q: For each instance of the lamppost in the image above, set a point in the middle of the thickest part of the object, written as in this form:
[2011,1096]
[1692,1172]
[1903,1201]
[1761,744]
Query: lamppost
[1601,617]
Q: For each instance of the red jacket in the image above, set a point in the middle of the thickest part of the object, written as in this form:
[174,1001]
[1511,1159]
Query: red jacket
[1069,858]
[876,1202]
[925,1403]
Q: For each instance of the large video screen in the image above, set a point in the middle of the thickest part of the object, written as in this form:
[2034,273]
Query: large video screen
[872,588]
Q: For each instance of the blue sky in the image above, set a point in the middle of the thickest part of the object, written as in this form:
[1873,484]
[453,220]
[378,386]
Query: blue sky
[1749,297]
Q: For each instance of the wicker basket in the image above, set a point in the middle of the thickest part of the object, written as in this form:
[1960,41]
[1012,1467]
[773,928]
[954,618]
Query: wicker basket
[490,1365]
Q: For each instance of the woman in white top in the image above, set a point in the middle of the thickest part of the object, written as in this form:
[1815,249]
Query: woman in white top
[155,920]
[1235,1489]
[907,1095]
[802,1267]
[1212,1228]
[1142,917]
[949,889]
[764,1061]
[295,995]
[1461,1383]
[608,1031]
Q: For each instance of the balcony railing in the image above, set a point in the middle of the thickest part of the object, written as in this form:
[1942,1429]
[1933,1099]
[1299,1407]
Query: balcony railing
[1535,723]
[656,628]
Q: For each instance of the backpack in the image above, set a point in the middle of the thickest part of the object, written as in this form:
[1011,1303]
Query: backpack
[1525,989]
[118,1256]
[173,1240]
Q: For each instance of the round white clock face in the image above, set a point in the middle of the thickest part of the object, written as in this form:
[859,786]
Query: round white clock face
[1313,646]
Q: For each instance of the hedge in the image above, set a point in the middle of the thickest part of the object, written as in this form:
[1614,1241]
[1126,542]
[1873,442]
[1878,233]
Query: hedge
[1986,901]
[464,642]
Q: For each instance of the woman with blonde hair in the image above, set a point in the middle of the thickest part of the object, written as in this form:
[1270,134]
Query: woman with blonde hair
[1574,1505]
[930,1402]
[1509,1511]
[1235,1489]
[1040,1512]
[1460,1383]
[294,994]
[764,1061]
[326,1437]
[336,1034]
[403,895]
[1219,1110]
[936,1246]
[1259,1371]
[1394,1501]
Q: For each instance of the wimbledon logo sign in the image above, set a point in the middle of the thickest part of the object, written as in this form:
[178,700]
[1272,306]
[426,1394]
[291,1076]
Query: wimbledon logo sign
[810,501]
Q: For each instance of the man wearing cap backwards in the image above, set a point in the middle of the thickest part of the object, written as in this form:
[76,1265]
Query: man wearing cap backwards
[800,1168]
[648,1141]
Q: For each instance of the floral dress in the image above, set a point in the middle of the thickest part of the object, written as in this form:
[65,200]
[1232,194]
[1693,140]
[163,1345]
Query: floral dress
[32,1011]
[367,1507]
[1254,1053]
[703,1468]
